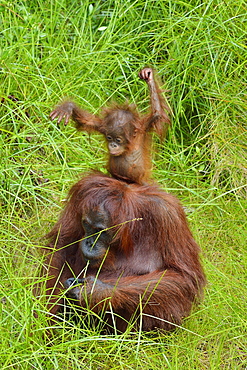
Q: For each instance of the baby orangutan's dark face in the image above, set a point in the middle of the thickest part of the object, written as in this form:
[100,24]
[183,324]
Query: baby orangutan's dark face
[119,131]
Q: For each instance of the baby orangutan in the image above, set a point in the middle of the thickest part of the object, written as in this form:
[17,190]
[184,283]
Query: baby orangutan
[125,131]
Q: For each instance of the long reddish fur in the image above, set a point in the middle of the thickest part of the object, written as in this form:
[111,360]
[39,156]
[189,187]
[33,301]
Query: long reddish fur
[154,260]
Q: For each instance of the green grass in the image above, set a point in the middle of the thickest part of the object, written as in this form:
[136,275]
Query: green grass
[92,52]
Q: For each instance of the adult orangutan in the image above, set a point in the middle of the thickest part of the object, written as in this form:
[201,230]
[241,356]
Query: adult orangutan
[126,251]
[126,133]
